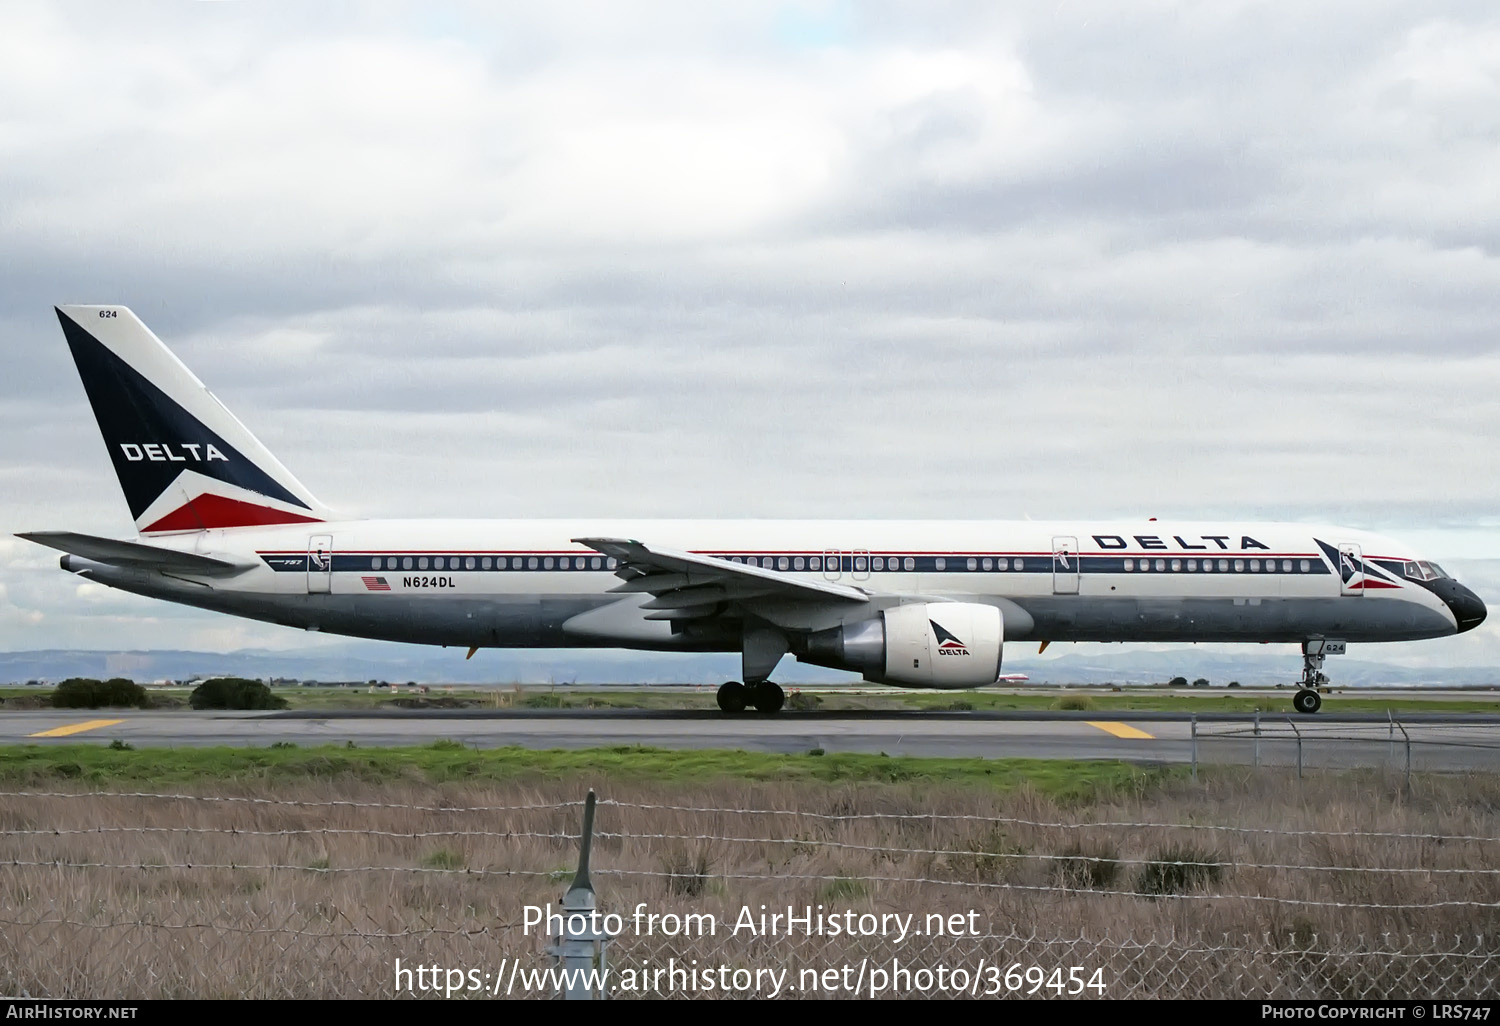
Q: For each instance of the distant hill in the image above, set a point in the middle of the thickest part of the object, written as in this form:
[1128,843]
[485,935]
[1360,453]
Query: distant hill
[362,661]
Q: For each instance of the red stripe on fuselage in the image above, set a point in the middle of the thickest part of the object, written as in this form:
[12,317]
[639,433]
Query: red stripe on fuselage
[208,512]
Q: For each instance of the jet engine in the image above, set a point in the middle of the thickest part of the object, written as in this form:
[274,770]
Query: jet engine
[924,644]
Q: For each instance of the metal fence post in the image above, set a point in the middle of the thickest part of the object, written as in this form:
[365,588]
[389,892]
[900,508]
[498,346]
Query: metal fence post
[1391,736]
[580,947]
[1407,736]
[1299,745]
[1257,739]
[1195,747]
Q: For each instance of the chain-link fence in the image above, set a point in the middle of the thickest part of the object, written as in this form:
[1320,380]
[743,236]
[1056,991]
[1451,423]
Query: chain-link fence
[1399,747]
[409,892]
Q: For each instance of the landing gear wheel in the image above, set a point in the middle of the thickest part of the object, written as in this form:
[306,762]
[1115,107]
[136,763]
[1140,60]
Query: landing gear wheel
[767,697]
[1307,701]
[733,696]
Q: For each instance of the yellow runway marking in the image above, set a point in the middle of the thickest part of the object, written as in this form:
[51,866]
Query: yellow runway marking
[76,728]
[1119,729]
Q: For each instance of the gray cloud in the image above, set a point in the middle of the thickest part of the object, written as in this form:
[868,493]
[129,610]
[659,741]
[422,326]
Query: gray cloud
[680,261]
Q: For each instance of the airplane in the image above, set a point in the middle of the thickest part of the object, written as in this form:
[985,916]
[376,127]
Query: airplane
[222,525]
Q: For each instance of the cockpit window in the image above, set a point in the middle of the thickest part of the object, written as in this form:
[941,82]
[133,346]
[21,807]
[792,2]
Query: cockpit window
[1421,570]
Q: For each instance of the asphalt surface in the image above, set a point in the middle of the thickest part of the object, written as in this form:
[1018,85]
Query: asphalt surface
[1452,741]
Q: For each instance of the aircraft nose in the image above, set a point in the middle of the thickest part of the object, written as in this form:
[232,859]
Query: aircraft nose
[1468,608]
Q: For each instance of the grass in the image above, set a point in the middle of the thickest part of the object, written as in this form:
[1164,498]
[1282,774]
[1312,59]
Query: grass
[1141,699]
[447,761]
[316,887]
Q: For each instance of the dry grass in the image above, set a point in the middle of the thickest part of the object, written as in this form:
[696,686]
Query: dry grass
[330,926]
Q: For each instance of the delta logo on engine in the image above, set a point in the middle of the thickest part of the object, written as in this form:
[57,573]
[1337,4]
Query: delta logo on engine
[947,643]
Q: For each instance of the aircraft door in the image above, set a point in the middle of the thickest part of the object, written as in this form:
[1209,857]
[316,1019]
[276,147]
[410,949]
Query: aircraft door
[1351,570]
[861,565]
[320,564]
[1065,566]
[832,564]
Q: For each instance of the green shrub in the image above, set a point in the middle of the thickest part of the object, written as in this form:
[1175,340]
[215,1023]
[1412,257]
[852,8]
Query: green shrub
[87,693]
[1082,868]
[234,693]
[688,873]
[1177,870]
[1075,703]
[443,858]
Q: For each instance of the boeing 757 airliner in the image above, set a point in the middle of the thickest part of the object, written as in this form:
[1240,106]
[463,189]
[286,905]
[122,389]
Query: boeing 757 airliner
[222,525]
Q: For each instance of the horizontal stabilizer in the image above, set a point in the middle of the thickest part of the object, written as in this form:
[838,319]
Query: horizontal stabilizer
[134,555]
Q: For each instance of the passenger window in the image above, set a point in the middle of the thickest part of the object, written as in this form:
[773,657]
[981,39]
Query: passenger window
[860,563]
[611,562]
[406,563]
[782,563]
[877,563]
[1208,566]
[1020,564]
[1286,566]
[798,563]
[594,563]
[1161,564]
[531,563]
[973,564]
[547,563]
[1176,565]
[909,564]
[1223,565]
[487,562]
[499,562]
[1002,564]
[1129,565]
[815,563]
[1255,566]
[941,563]
[988,564]
[1192,566]
[375,563]
[422,563]
[1239,566]
[1304,566]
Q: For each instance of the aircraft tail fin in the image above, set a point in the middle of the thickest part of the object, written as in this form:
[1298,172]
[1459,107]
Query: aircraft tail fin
[185,463]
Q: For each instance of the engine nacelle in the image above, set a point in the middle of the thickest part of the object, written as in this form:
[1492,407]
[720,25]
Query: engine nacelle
[925,645]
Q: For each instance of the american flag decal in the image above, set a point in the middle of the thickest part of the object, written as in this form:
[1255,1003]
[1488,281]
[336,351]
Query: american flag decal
[375,584]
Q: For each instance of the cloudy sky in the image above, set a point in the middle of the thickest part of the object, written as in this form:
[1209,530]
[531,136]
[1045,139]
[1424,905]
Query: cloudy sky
[1064,259]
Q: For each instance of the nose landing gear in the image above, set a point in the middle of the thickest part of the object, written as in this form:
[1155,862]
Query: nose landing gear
[765,696]
[1314,650]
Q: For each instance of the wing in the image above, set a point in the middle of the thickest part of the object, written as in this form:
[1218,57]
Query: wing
[685,585]
[133,555]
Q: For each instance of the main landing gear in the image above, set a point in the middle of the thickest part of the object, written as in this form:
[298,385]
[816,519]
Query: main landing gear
[765,696]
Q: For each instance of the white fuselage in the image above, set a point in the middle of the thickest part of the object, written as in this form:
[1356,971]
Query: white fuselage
[519,583]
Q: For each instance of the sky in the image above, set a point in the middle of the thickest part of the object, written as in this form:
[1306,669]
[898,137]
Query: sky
[944,260]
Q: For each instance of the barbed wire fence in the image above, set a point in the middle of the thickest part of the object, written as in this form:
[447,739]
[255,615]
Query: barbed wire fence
[176,894]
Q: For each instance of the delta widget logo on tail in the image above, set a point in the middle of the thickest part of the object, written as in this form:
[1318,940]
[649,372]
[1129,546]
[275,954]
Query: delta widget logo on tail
[947,643]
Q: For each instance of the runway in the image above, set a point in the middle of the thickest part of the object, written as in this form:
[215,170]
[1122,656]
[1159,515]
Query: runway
[1454,741]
